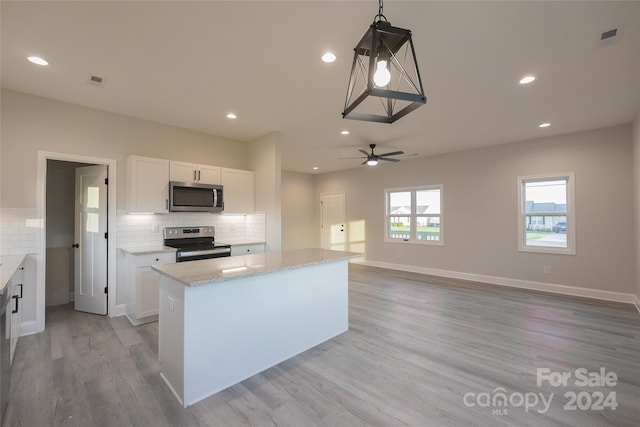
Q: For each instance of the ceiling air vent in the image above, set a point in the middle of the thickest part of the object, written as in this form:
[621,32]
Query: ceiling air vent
[96,80]
[608,34]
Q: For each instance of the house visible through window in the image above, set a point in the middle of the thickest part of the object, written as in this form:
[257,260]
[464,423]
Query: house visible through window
[414,215]
[546,216]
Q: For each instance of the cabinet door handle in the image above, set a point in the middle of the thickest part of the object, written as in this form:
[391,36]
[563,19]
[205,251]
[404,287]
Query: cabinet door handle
[16,297]
[198,175]
[166,204]
[20,290]
[195,175]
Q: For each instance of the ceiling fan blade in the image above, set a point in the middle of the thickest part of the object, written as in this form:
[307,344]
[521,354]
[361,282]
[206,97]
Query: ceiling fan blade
[388,160]
[364,152]
[364,163]
[393,153]
[351,158]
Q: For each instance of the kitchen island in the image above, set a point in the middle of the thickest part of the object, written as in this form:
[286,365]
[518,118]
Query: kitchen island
[224,320]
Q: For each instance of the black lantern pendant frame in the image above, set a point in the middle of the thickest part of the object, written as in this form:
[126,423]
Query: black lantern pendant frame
[382,39]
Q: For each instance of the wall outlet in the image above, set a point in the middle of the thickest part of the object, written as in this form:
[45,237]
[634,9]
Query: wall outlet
[155,228]
[171,304]
[546,269]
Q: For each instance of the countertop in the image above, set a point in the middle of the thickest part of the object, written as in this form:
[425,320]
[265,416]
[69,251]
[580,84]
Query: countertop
[8,266]
[148,250]
[208,271]
[242,242]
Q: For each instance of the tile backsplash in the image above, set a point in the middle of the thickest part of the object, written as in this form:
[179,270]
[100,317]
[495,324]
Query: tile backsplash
[146,230]
[20,228]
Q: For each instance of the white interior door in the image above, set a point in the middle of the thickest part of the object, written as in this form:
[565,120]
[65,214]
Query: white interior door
[91,239]
[333,221]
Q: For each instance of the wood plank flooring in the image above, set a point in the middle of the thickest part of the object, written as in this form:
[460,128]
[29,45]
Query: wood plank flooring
[416,346]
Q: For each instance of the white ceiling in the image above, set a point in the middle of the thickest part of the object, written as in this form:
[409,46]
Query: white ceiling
[189,63]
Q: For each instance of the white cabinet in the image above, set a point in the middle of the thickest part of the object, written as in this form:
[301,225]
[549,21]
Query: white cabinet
[239,187]
[256,248]
[190,172]
[143,284]
[147,185]
[14,309]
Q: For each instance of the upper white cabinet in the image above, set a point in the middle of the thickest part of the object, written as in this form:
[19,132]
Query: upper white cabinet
[190,172]
[147,185]
[239,187]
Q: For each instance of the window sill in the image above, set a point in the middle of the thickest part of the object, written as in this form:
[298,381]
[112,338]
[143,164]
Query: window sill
[416,242]
[547,250]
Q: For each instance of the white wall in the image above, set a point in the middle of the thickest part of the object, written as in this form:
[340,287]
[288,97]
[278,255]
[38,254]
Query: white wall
[636,192]
[480,209]
[299,227]
[31,123]
[263,157]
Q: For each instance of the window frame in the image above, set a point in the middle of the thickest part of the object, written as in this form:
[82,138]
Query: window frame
[570,215]
[413,216]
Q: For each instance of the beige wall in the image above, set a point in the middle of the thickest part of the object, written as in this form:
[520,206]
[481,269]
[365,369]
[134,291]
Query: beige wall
[636,180]
[31,123]
[480,209]
[300,228]
[263,157]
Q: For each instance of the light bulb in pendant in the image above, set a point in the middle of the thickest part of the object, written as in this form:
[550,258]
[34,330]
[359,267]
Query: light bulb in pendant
[382,76]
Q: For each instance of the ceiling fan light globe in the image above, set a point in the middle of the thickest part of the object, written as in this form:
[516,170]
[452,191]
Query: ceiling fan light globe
[372,162]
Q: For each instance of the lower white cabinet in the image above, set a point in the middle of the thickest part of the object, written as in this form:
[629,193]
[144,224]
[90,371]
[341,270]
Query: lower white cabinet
[256,248]
[15,307]
[143,285]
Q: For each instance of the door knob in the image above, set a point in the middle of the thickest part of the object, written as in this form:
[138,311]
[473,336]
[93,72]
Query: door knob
[75,245]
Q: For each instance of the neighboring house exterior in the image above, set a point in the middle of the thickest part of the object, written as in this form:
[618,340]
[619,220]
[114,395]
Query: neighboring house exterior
[549,215]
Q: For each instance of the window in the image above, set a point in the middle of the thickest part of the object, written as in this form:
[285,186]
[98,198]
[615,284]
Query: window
[546,215]
[414,215]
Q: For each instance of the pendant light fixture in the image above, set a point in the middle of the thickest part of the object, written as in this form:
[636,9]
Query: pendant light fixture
[385,83]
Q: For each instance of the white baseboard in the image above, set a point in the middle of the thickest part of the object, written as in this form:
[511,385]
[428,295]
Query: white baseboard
[28,328]
[636,302]
[120,310]
[514,283]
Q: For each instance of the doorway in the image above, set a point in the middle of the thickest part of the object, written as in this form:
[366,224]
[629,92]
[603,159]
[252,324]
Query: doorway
[48,264]
[333,225]
[76,245]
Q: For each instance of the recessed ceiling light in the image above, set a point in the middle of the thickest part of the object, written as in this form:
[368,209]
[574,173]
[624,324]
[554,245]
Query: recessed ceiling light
[544,125]
[527,79]
[231,116]
[328,57]
[344,132]
[315,168]
[37,60]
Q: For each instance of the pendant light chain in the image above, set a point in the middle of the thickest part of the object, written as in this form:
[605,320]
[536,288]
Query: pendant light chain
[380,14]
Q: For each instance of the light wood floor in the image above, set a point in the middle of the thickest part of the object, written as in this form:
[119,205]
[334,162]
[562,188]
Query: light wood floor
[416,345]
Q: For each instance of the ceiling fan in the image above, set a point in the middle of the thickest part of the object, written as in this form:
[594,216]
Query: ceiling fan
[372,159]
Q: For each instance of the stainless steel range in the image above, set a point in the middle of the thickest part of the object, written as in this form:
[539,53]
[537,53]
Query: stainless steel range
[195,243]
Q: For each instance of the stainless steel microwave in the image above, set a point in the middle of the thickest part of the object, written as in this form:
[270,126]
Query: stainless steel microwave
[192,197]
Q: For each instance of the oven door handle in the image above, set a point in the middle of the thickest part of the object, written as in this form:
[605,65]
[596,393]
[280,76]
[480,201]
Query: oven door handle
[207,252]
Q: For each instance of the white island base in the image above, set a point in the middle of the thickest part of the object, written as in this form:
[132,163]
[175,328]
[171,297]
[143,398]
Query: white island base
[215,334]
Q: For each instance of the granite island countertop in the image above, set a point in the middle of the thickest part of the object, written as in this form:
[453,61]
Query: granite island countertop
[209,271]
